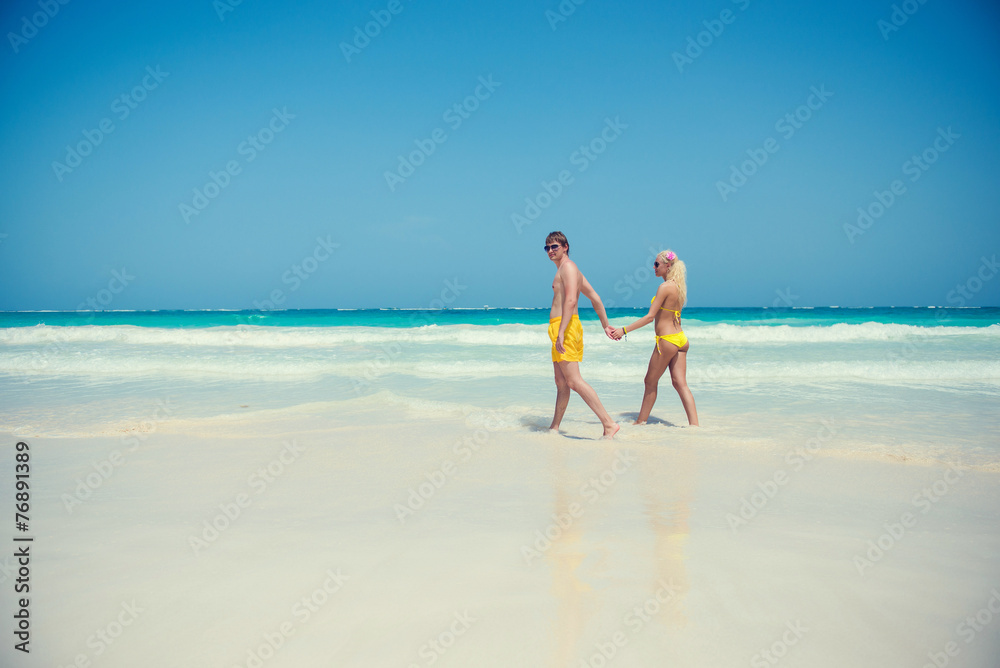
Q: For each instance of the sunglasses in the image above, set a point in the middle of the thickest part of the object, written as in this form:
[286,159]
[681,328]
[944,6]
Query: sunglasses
[656,264]
[552,247]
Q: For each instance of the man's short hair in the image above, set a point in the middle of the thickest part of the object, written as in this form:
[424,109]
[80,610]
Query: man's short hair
[558,237]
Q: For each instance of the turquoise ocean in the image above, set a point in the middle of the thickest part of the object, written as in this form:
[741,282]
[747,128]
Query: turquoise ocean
[914,383]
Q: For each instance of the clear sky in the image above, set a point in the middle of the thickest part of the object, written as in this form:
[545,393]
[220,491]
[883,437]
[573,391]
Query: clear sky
[394,168]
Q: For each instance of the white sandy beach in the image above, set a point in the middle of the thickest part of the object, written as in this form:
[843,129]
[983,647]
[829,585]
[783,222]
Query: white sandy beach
[276,377]
[415,536]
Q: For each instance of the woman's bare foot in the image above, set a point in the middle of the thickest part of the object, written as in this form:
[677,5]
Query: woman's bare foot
[609,433]
[637,422]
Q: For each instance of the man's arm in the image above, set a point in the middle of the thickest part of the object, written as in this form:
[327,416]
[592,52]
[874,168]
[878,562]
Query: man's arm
[595,300]
[571,296]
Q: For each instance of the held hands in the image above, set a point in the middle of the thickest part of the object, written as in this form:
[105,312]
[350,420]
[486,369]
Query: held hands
[613,333]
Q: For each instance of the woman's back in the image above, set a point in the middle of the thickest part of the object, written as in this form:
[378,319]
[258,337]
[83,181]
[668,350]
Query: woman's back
[668,318]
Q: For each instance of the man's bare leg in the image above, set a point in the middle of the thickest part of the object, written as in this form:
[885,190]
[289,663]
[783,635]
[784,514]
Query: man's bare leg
[571,372]
[562,397]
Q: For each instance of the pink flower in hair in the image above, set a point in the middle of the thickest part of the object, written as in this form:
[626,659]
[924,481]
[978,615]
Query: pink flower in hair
[671,256]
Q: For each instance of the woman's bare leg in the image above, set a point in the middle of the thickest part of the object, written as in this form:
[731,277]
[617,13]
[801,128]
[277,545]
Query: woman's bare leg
[658,363]
[678,374]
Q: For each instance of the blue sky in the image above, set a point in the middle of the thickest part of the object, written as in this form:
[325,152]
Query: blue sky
[310,129]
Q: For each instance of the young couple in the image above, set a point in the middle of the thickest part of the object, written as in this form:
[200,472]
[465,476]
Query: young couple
[566,333]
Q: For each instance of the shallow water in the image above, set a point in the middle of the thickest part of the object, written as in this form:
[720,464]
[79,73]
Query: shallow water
[920,383]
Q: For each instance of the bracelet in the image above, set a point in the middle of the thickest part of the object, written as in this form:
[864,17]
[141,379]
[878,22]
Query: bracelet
[624,333]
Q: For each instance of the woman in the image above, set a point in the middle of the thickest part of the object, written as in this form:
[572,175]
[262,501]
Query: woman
[671,343]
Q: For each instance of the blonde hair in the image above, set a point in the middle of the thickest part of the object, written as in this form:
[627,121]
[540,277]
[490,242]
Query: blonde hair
[676,272]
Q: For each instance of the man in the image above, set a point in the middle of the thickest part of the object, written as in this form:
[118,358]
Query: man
[566,333]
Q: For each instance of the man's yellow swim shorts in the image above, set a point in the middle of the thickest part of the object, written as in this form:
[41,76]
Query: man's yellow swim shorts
[572,340]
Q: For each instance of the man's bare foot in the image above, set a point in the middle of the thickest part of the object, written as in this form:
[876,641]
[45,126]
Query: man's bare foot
[637,422]
[610,433]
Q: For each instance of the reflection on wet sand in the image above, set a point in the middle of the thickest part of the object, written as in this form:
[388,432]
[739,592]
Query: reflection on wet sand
[574,597]
[665,482]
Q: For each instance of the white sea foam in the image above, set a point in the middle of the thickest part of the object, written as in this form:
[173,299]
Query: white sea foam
[865,353]
[837,333]
[289,368]
[472,335]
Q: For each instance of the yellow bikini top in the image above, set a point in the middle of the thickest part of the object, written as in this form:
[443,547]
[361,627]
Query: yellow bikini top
[677,314]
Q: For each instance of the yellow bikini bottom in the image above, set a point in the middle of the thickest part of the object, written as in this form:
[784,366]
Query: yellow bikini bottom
[679,339]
